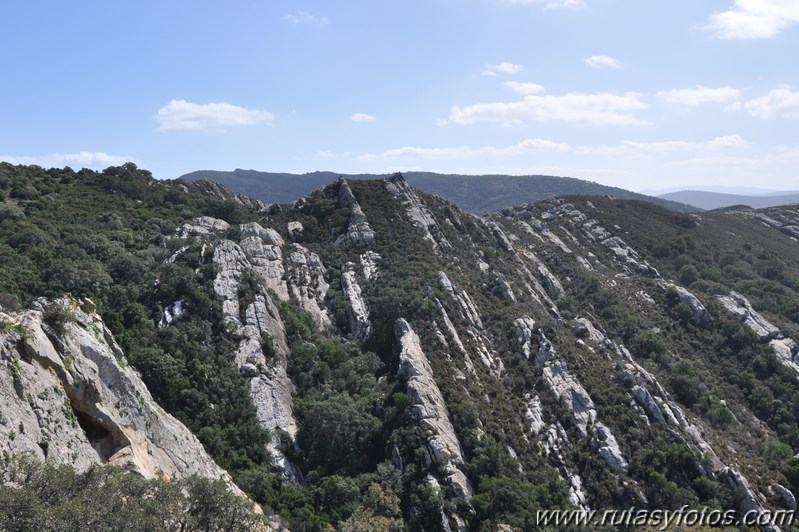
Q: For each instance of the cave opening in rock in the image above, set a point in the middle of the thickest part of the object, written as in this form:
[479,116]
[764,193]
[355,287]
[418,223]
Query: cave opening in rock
[103,440]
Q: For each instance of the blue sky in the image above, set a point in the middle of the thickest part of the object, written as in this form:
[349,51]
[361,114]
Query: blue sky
[643,94]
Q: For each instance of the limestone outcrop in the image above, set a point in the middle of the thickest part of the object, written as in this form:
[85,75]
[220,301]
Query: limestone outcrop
[525,327]
[747,500]
[359,233]
[787,350]
[68,395]
[417,211]
[215,190]
[574,399]
[429,410]
[204,227]
[468,309]
[698,311]
[585,329]
[740,307]
[306,282]
[606,445]
[358,311]
[369,262]
[628,256]
[263,248]
[502,289]
[563,385]
[259,253]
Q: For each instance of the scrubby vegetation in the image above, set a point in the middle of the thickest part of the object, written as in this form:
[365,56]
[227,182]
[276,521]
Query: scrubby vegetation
[482,194]
[49,498]
[108,235]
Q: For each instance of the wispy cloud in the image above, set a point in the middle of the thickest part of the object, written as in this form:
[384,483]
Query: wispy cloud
[553,4]
[502,68]
[602,61]
[523,88]
[780,102]
[363,117]
[575,108]
[303,17]
[85,159]
[183,115]
[698,95]
[462,152]
[629,148]
[755,19]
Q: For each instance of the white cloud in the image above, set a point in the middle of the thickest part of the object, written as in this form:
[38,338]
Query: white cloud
[629,148]
[523,88]
[553,4]
[576,108]
[303,17]
[602,61]
[755,19]
[699,95]
[362,117]
[502,68]
[84,159]
[779,102]
[462,152]
[183,115]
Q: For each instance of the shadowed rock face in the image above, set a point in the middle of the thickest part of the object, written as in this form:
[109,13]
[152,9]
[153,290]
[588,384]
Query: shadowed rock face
[68,395]
[359,233]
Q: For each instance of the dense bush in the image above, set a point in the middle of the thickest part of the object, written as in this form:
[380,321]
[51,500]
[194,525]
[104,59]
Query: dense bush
[56,498]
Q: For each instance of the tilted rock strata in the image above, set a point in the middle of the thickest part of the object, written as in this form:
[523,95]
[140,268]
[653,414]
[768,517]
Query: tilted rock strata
[417,211]
[575,400]
[429,409]
[359,232]
[358,311]
[259,252]
[740,307]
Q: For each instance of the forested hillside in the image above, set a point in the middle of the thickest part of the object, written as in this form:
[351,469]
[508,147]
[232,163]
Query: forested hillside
[371,357]
[474,193]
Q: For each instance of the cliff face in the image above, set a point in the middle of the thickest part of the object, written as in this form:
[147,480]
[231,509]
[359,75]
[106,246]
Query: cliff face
[68,395]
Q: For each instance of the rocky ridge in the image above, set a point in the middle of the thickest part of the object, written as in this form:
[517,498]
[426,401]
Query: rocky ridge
[509,350]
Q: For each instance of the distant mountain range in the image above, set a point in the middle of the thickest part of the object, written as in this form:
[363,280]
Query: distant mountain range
[716,200]
[479,194]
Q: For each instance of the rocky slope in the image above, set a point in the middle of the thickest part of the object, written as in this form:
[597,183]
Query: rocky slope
[414,363]
[68,395]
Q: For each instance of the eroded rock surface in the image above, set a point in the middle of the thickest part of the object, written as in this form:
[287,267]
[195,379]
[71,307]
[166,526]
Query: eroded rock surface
[67,394]
[698,311]
[307,284]
[359,232]
[358,311]
[430,411]
[740,307]
[417,211]
[575,399]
